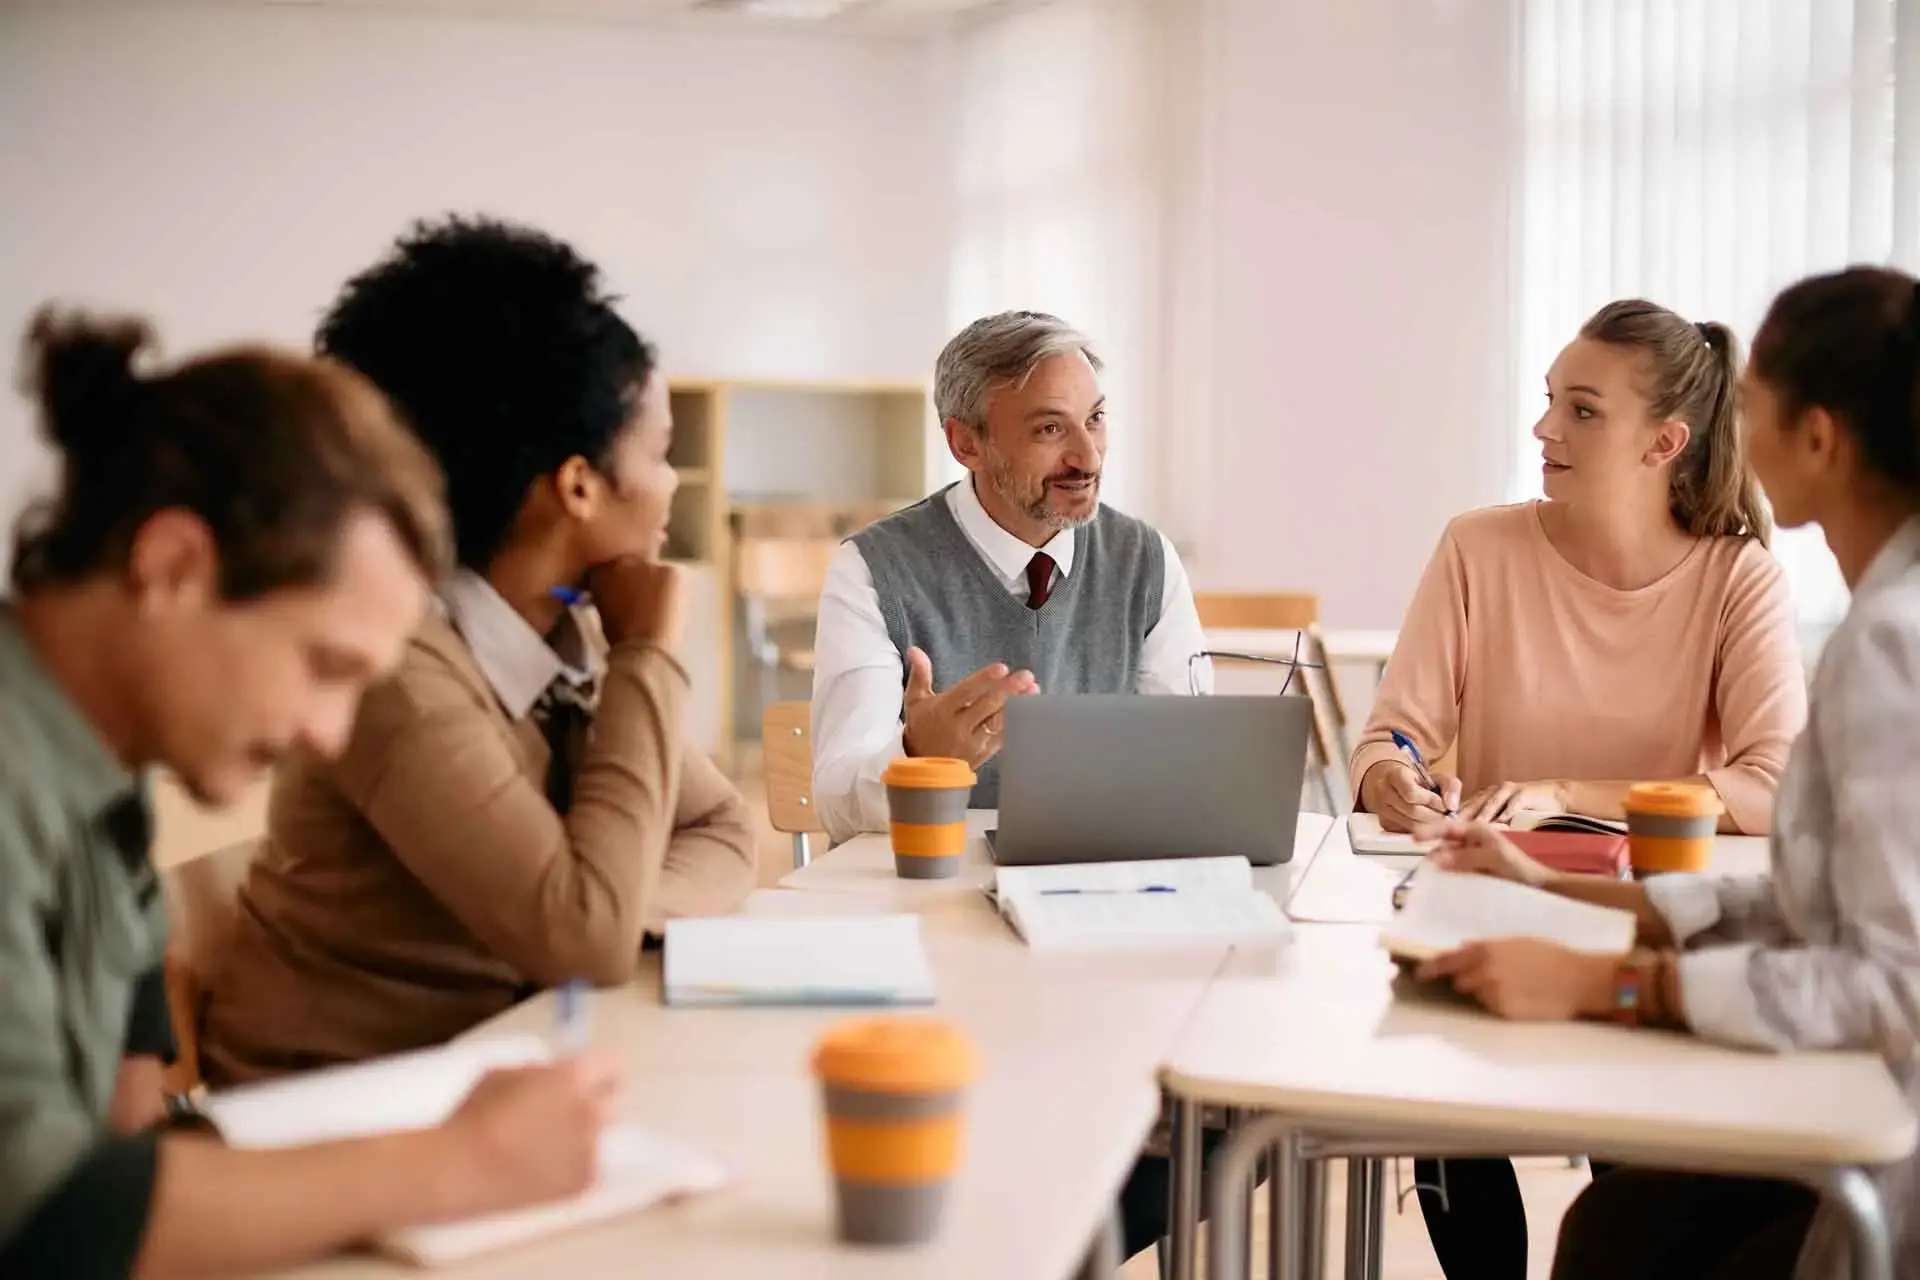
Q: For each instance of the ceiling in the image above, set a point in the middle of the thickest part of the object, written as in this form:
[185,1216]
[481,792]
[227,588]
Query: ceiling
[904,16]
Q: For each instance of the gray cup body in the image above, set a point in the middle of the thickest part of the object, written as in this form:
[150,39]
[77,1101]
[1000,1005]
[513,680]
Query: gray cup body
[1671,827]
[927,807]
[889,1213]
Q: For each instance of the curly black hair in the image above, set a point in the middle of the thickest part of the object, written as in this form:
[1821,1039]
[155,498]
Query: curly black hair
[501,349]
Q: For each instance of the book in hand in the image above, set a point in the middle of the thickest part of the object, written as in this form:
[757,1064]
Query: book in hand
[1169,902]
[1446,910]
[796,960]
[419,1090]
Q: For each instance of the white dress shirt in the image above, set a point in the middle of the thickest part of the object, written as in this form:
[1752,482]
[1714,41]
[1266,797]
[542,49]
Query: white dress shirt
[1824,952]
[858,674]
[517,661]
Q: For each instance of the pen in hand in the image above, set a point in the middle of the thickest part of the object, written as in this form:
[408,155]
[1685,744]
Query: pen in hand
[572,1030]
[1427,779]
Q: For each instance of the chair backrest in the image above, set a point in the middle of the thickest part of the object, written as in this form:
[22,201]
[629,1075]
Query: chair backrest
[786,737]
[782,568]
[1257,610]
[1291,611]
[202,896]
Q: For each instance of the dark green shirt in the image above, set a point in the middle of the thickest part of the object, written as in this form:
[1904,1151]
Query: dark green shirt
[82,927]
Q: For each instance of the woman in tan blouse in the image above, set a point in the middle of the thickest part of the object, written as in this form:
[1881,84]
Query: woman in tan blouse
[1632,627]
[517,806]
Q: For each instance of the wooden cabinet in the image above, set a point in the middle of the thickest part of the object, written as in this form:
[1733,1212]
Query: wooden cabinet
[772,459]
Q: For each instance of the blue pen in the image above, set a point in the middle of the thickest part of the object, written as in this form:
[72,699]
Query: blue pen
[572,1016]
[568,596]
[1148,888]
[1405,743]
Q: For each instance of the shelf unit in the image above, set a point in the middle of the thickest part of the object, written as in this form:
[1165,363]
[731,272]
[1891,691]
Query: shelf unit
[764,443]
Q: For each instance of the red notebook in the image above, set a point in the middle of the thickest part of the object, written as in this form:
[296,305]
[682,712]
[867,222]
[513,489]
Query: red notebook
[1577,852]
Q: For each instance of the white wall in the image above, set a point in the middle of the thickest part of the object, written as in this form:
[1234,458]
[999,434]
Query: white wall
[1352,230]
[1286,220]
[1286,223]
[1055,133]
[766,201]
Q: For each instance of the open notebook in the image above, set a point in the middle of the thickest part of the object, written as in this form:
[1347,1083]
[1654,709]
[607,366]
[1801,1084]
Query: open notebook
[1161,902]
[1448,909]
[796,960]
[419,1090]
[1565,842]
[1364,832]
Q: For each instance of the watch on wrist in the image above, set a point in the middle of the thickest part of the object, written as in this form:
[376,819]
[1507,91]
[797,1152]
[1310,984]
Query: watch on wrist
[1629,994]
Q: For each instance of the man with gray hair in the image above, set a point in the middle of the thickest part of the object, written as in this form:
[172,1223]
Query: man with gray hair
[1014,581]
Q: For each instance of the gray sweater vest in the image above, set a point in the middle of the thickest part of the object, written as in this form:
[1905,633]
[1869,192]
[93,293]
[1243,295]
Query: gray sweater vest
[937,591]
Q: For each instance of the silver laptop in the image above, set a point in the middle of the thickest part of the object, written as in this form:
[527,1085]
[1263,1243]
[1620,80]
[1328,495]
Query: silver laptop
[1120,777]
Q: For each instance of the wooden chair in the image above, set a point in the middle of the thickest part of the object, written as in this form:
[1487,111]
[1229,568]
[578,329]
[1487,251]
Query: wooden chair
[201,895]
[1292,611]
[786,738]
[779,582]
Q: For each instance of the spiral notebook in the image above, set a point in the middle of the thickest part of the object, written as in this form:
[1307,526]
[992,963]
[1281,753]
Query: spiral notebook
[637,1167]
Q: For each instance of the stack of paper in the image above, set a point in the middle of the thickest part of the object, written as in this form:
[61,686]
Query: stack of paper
[1155,903]
[420,1090]
[805,960]
[1448,909]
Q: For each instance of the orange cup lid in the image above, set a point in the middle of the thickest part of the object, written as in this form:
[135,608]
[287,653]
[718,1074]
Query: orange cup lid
[896,1055]
[1673,799]
[928,771]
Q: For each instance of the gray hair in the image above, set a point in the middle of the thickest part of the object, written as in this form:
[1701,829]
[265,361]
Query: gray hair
[999,351]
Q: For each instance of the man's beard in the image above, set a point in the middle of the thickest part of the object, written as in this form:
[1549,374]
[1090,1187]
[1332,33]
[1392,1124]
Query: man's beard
[1033,503]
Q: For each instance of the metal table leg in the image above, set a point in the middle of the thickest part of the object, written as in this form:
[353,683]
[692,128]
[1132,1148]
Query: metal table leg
[1359,1218]
[1238,1119]
[1313,1220]
[1184,1220]
[1856,1195]
[1233,1170]
[1376,1217]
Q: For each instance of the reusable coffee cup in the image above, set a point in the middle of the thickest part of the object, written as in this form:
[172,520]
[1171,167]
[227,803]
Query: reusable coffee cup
[927,809]
[893,1091]
[1670,826]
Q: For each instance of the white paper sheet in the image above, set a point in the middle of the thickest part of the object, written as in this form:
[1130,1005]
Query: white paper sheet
[1447,909]
[419,1090]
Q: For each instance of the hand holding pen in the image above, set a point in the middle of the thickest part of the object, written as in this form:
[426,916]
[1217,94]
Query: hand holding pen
[1405,793]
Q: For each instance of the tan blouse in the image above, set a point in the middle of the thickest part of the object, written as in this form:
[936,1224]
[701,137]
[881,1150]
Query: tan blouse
[1537,671]
[424,881]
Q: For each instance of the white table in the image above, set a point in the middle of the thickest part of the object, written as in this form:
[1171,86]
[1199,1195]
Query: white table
[1340,1066]
[1071,1045]
[1032,1184]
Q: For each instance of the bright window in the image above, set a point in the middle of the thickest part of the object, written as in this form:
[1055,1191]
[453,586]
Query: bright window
[1704,154]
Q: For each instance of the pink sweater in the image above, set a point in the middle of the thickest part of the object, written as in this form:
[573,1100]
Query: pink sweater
[1536,671]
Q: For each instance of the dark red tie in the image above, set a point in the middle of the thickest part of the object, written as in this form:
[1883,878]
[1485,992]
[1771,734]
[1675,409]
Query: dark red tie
[1039,579]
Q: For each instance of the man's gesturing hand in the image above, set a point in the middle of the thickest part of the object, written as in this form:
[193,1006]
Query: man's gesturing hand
[963,722]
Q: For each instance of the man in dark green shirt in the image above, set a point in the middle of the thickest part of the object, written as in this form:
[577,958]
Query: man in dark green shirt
[238,546]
